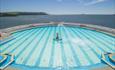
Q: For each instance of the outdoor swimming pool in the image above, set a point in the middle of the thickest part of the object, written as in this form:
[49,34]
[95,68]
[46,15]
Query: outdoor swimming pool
[78,46]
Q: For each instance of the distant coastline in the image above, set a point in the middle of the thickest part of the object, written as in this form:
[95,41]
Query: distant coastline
[11,14]
[5,14]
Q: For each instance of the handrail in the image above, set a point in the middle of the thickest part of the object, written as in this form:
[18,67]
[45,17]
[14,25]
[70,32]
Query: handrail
[11,60]
[104,59]
[4,58]
[110,56]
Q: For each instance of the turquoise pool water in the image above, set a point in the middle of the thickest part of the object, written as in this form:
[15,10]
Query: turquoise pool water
[78,47]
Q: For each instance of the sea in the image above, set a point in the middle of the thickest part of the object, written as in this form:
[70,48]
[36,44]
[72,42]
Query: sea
[102,20]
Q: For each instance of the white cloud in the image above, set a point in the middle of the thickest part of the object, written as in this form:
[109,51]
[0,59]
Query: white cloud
[90,2]
[59,0]
[94,2]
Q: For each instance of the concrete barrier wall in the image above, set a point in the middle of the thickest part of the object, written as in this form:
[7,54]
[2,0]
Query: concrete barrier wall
[22,27]
[95,27]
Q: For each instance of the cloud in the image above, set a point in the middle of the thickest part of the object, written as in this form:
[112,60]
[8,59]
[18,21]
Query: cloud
[90,2]
[59,0]
[94,2]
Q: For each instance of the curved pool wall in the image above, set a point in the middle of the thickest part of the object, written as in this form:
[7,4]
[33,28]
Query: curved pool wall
[81,46]
[28,26]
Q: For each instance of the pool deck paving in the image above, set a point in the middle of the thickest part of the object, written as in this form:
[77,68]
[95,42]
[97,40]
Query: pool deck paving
[100,68]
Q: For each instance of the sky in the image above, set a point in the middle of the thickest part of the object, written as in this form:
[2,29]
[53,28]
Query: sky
[59,6]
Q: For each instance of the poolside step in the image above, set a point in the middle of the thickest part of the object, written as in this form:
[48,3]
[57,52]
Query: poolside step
[108,59]
[5,60]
